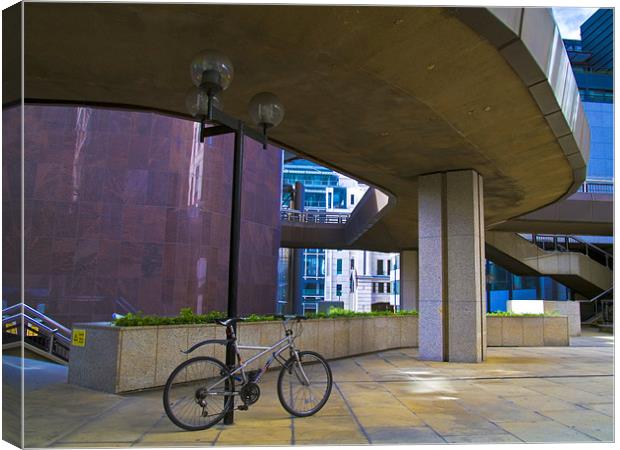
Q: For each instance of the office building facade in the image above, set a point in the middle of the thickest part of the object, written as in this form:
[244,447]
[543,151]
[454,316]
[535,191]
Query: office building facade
[356,278]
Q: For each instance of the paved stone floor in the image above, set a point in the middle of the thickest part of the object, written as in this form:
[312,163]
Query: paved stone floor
[562,394]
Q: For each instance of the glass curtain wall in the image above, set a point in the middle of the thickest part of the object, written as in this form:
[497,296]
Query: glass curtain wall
[503,285]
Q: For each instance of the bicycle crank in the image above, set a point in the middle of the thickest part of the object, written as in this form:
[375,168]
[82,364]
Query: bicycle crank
[250,393]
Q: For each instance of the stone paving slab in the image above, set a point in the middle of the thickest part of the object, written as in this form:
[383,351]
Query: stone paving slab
[399,435]
[587,422]
[545,431]
[517,395]
[503,438]
[56,410]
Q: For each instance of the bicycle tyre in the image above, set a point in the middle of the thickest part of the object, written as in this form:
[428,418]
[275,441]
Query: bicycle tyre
[322,370]
[170,385]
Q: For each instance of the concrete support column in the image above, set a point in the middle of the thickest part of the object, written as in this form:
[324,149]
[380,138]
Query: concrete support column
[452,323]
[409,280]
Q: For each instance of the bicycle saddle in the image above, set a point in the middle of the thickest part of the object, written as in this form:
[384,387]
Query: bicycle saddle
[227,322]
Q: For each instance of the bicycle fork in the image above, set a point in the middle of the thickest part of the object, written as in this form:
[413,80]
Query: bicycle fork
[304,378]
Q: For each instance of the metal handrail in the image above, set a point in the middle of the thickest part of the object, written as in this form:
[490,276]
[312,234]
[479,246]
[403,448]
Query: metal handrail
[575,238]
[30,321]
[324,217]
[601,306]
[593,299]
[24,307]
[56,338]
[562,243]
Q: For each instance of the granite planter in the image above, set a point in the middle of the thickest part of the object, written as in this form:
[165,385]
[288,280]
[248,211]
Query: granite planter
[123,359]
[527,331]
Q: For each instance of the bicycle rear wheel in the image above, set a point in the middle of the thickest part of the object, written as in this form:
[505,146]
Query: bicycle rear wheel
[195,393]
[304,386]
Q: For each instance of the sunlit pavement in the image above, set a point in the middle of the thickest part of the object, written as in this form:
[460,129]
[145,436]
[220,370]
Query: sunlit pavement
[561,394]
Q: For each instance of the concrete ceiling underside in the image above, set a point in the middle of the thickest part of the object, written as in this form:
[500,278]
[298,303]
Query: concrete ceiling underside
[383,94]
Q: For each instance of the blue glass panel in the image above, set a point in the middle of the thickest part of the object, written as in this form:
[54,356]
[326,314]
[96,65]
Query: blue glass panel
[600,118]
[524,294]
[498,300]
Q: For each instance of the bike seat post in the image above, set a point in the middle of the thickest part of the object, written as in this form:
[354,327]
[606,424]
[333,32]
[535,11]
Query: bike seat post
[284,324]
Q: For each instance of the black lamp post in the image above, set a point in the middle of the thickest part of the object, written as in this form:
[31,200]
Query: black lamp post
[211,73]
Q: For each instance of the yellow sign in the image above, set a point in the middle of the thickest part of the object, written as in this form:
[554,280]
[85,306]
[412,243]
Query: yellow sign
[78,338]
[11,328]
[32,330]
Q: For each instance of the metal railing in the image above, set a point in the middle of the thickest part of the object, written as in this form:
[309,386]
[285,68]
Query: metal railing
[608,310]
[597,187]
[292,215]
[562,243]
[39,331]
[603,307]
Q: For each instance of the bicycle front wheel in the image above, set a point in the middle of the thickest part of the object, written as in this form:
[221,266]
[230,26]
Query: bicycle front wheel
[304,385]
[198,393]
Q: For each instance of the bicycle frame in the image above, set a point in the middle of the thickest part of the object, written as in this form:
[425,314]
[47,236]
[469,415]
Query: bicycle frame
[283,344]
[287,342]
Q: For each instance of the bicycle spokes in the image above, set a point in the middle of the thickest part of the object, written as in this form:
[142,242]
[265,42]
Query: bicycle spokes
[194,397]
[304,386]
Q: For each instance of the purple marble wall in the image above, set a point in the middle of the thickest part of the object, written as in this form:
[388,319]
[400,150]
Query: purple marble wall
[128,211]
[11,206]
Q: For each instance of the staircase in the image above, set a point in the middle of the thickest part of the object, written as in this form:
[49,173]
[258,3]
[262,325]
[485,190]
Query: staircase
[583,267]
[41,334]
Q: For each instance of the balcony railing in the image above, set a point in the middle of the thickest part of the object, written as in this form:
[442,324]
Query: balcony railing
[559,243]
[597,187]
[292,215]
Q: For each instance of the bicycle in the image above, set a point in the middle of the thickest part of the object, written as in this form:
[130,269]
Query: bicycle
[201,391]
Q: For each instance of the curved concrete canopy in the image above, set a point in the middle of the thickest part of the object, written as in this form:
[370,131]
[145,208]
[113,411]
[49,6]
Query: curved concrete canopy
[382,94]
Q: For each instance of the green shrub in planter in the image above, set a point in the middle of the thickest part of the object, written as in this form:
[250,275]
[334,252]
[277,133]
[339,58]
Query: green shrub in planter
[187,317]
[511,314]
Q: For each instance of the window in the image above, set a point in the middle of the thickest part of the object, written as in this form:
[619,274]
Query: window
[352,264]
[340,198]
[389,266]
[374,287]
[380,288]
[339,266]
[379,267]
[338,290]
[388,287]
[352,199]
[311,266]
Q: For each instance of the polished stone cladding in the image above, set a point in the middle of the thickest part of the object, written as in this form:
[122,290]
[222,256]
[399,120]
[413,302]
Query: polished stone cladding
[11,206]
[127,211]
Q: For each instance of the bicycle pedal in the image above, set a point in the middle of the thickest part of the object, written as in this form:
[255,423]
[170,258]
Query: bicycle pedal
[242,407]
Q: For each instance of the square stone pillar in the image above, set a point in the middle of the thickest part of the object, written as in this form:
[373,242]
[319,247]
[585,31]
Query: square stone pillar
[452,298]
[409,280]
